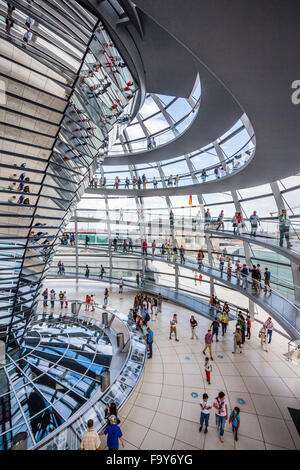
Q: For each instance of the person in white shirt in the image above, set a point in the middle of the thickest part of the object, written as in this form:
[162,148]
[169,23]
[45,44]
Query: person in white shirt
[173,327]
[205,406]
[269,326]
[263,335]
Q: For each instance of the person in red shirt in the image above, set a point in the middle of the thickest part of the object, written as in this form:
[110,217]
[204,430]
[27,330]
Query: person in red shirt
[144,246]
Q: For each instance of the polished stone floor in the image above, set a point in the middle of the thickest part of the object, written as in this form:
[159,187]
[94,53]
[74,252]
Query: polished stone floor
[163,412]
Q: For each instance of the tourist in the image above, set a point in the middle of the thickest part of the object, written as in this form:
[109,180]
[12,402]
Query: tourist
[92,302]
[45,297]
[256,277]
[106,295]
[222,262]
[150,341]
[212,304]
[269,325]
[52,297]
[203,175]
[173,327]
[87,239]
[200,257]
[254,221]
[113,433]
[224,322]
[220,220]
[181,251]
[130,245]
[207,218]
[235,421]
[208,339]
[215,328]
[193,324]
[111,409]
[137,278]
[154,181]
[267,276]
[90,439]
[242,324]
[144,248]
[284,228]
[61,298]
[176,180]
[245,274]
[205,406]
[195,277]
[263,335]
[238,270]
[155,306]
[220,404]
[208,369]
[248,327]
[66,299]
[87,302]
[121,286]
[115,243]
[153,246]
[102,271]
[87,271]
[237,339]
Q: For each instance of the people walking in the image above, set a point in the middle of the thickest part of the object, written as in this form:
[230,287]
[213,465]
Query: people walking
[235,421]
[45,297]
[208,339]
[173,327]
[102,271]
[267,276]
[200,257]
[215,328]
[208,369]
[121,286]
[269,325]
[87,271]
[263,335]
[221,407]
[61,298]
[90,439]
[194,324]
[237,340]
[248,326]
[254,221]
[113,433]
[224,322]
[106,295]
[150,341]
[205,407]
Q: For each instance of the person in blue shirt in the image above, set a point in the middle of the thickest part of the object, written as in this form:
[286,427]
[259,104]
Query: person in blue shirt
[113,433]
[234,419]
[150,341]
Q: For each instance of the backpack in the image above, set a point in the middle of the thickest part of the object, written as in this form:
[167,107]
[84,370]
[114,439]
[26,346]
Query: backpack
[147,317]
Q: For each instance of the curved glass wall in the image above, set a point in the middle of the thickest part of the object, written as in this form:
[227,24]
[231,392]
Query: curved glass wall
[161,119]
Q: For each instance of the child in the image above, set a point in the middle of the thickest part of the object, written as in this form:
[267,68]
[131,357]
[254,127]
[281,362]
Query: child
[208,369]
[234,419]
[205,406]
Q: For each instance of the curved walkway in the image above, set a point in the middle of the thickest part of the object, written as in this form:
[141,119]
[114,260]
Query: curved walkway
[178,297]
[267,242]
[163,411]
[282,310]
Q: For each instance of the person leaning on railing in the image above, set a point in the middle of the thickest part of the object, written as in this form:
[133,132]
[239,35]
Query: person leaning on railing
[284,228]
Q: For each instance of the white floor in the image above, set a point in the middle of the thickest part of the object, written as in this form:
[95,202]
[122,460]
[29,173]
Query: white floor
[162,413]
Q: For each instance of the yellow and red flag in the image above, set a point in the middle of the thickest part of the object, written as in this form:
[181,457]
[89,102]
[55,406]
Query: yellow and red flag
[190,200]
